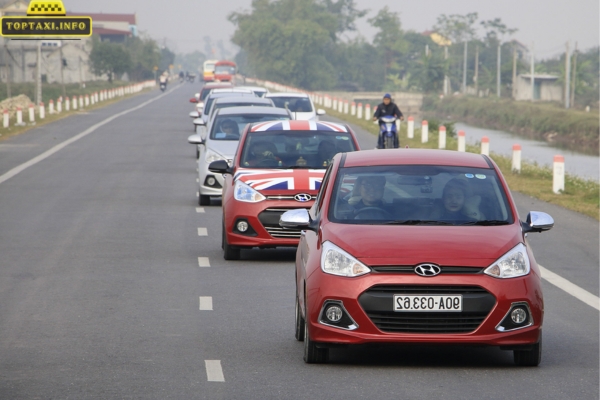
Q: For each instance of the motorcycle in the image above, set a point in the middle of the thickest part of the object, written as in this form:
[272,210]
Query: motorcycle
[388,133]
[163,86]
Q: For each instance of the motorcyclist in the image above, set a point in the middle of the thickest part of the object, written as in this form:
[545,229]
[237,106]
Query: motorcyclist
[387,109]
[181,76]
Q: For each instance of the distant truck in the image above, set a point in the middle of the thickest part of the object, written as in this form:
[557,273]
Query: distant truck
[208,73]
[225,71]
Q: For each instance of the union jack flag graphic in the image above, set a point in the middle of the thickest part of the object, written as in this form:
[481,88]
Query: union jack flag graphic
[298,126]
[282,179]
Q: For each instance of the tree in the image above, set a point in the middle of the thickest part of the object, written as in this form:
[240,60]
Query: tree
[389,40]
[145,55]
[495,30]
[110,59]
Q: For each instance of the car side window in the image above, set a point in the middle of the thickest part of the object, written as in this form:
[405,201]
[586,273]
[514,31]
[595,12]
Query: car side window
[321,194]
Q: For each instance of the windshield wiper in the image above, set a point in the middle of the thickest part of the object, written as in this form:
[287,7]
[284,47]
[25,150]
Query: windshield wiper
[417,222]
[490,222]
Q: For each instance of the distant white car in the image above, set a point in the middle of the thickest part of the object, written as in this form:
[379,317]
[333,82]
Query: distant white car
[299,104]
[259,91]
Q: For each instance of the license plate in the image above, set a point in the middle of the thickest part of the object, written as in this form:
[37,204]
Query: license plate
[439,303]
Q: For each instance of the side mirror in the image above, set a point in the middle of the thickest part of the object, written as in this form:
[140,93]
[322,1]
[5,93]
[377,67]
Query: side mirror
[194,114]
[193,100]
[195,139]
[197,96]
[219,167]
[320,111]
[537,221]
[298,219]
[199,122]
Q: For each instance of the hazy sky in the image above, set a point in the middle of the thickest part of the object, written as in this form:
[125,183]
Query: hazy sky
[547,23]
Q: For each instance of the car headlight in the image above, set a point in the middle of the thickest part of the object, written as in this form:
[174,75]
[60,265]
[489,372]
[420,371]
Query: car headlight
[212,156]
[243,192]
[511,265]
[336,261]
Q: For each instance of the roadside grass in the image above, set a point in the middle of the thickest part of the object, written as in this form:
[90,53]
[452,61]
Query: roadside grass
[14,130]
[580,195]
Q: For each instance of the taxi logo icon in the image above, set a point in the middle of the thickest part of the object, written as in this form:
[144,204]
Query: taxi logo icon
[46,8]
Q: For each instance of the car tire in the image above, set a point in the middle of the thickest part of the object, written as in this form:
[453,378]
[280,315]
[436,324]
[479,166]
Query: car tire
[299,322]
[313,354]
[529,358]
[229,253]
[203,200]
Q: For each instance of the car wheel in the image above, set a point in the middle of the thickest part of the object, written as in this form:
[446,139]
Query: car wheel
[529,358]
[299,322]
[229,253]
[313,354]
[203,200]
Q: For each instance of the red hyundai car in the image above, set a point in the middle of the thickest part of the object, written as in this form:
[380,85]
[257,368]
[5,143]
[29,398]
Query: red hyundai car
[279,166]
[417,246]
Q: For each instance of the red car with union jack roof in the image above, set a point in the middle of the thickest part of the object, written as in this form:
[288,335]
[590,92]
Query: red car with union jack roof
[279,166]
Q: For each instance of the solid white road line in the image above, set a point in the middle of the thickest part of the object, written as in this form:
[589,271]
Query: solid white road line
[203,262]
[206,303]
[197,194]
[6,176]
[202,232]
[199,209]
[214,372]
[571,288]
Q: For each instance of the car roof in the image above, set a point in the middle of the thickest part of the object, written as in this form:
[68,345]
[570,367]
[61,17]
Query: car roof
[217,85]
[298,126]
[415,157]
[232,94]
[252,110]
[231,90]
[262,89]
[286,95]
[244,99]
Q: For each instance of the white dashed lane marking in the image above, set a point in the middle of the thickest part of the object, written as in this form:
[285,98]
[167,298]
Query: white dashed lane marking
[571,288]
[202,232]
[206,303]
[199,209]
[203,262]
[214,372]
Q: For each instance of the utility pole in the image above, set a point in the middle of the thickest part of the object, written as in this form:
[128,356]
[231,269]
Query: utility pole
[498,75]
[574,79]
[532,79]
[62,75]
[80,75]
[514,72]
[446,83]
[476,79]
[8,63]
[38,95]
[567,78]
[464,82]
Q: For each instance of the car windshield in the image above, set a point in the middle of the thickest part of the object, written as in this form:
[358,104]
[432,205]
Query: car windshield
[211,99]
[294,104]
[229,127]
[293,149]
[419,195]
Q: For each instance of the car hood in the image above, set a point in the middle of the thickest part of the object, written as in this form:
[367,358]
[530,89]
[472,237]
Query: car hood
[281,181]
[226,148]
[476,246]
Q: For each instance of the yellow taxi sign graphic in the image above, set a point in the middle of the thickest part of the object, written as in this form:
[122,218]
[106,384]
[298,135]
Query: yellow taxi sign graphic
[46,8]
[46,20]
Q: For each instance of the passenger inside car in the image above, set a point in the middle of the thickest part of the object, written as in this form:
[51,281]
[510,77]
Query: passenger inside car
[458,203]
[326,152]
[228,130]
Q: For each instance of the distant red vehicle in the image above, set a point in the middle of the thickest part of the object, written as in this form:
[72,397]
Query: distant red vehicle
[278,167]
[417,246]
[225,71]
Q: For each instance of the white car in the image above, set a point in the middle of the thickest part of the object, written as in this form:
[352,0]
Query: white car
[299,104]
[259,91]
[222,141]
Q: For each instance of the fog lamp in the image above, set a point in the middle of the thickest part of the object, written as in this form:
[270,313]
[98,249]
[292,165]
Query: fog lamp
[518,315]
[211,181]
[333,313]
[242,226]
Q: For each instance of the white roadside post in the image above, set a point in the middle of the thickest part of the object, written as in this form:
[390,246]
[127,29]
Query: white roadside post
[59,105]
[86,100]
[93,99]
[5,121]
[462,145]
[368,112]
[558,174]
[74,102]
[424,131]
[51,107]
[516,158]
[42,111]
[31,113]
[335,103]
[340,106]
[19,116]
[359,111]
[67,104]
[485,146]
[346,107]
[442,137]
[353,109]
[80,101]
[410,132]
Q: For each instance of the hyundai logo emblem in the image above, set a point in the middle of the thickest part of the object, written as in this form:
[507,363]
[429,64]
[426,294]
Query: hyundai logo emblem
[427,270]
[303,197]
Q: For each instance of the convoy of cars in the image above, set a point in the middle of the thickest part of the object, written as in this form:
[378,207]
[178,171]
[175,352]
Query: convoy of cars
[393,246]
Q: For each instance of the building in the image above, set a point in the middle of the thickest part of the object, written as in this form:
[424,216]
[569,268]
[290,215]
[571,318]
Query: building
[546,88]
[112,27]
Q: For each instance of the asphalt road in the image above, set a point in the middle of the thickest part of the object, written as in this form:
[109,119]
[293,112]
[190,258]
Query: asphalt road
[102,295]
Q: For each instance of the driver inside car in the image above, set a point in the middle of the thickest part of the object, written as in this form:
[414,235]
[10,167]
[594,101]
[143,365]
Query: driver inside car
[263,154]
[229,129]
[369,204]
